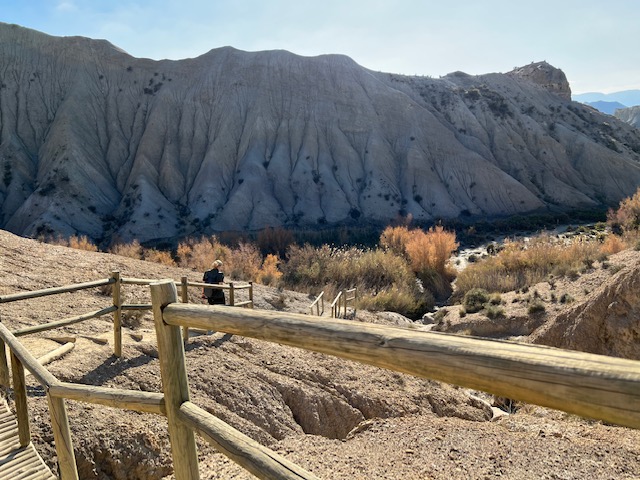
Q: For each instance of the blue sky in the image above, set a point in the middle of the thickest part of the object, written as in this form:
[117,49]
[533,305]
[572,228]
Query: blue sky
[595,42]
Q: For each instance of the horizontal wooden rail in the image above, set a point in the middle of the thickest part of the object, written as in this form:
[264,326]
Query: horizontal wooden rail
[219,286]
[148,402]
[138,281]
[261,461]
[55,290]
[60,323]
[589,385]
[246,303]
[317,305]
[139,306]
[41,374]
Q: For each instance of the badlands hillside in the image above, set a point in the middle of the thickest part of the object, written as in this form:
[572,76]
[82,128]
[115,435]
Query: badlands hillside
[338,419]
[630,115]
[94,141]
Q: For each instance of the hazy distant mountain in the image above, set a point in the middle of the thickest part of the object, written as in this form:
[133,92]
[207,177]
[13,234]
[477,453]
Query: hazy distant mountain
[606,107]
[95,141]
[628,98]
[630,115]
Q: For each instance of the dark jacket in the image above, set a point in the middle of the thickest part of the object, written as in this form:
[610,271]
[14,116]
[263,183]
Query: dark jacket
[214,295]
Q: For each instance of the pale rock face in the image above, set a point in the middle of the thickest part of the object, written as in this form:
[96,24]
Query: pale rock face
[94,141]
[629,115]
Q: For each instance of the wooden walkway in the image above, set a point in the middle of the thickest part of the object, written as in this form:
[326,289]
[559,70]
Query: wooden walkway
[18,463]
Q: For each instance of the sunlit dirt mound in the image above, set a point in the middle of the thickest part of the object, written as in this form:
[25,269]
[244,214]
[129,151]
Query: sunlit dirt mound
[607,321]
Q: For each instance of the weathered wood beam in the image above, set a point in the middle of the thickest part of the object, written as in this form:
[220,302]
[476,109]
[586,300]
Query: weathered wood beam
[148,402]
[589,385]
[246,452]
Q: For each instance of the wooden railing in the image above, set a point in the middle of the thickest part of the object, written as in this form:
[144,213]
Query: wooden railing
[343,299]
[117,306]
[589,385]
[336,304]
[318,303]
[57,391]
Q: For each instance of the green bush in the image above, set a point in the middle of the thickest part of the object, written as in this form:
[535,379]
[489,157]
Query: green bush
[495,299]
[475,299]
[536,307]
[493,312]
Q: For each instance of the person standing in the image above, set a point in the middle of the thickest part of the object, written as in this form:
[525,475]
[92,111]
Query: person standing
[215,296]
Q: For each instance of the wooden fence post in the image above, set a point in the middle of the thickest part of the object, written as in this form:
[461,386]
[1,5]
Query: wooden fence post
[4,368]
[185,299]
[117,315]
[175,382]
[20,393]
[251,293]
[231,295]
[62,437]
[355,301]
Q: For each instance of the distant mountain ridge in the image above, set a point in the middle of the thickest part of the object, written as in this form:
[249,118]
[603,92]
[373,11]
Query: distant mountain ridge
[97,142]
[628,98]
[606,107]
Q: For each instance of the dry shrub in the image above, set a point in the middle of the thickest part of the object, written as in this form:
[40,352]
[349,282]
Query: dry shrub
[158,256]
[82,243]
[269,273]
[78,242]
[130,250]
[306,267]
[275,240]
[395,239]
[200,253]
[430,250]
[613,244]
[427,252]
[243,262]
[395,299]
[627,217]
[522,264]
[132,318]
[383,278]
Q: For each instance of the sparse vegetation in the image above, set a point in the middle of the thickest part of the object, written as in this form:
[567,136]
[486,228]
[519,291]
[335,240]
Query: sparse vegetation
[522,264]
[536,306]
[475,300]
[131,250]
[627,217]
[384,278]
[494,311]
[81,242]
[566,298]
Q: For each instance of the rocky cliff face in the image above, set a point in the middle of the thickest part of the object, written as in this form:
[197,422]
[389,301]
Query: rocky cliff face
[95,141]
[629,115]
[546,76]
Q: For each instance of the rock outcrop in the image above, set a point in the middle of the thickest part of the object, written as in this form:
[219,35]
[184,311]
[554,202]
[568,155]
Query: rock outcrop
[547,76]
[629,115]
[606,323]
[96,142]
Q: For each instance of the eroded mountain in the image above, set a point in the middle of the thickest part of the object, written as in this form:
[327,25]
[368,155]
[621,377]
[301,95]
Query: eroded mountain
[97,142]
[629,115]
